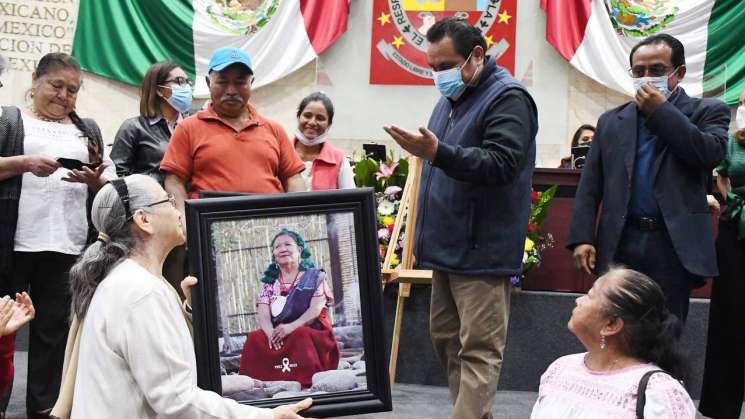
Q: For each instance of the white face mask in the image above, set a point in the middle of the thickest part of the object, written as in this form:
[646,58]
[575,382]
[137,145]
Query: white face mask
[660,83]
[311,142]
[740,118]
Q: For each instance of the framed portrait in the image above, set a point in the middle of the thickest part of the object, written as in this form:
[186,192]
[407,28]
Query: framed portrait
[289,301]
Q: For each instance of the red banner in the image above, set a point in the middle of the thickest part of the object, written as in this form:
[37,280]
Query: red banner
[398,54]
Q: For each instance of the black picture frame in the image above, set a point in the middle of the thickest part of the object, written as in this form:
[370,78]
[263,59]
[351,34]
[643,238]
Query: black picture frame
[200,216]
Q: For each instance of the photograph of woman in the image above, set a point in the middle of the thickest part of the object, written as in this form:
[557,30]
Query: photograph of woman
[295,333]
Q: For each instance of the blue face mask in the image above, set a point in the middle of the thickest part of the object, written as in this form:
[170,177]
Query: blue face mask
[181,97]
[660,83]
[450,82]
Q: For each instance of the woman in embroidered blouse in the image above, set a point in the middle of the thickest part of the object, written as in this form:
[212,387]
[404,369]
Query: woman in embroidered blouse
[627,331]
[43,216]
[295,332]
[326,167]
[724,381]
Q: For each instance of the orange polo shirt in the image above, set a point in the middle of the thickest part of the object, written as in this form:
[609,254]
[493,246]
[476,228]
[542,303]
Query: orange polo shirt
[207,152]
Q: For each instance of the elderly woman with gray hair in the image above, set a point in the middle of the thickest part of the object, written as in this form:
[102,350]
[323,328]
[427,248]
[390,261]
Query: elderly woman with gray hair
[129,326]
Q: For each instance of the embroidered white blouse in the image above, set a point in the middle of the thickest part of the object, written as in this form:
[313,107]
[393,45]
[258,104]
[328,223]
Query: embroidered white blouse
[570,390]
[137,356]
[51,212]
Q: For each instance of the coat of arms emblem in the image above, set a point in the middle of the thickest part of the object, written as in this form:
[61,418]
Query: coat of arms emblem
[241,16]
[640,18]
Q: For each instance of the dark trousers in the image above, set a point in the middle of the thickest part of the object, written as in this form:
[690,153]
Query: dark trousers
[724,370]
[652,253]
[45,275]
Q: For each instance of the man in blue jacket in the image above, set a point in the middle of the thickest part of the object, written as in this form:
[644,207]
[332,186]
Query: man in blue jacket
[474,203]
[648,171]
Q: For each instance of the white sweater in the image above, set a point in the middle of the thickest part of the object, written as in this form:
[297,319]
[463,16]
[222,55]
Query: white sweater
[137,356]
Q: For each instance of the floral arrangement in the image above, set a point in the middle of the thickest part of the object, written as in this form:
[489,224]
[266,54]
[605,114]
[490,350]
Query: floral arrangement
[536,240]
[388,178]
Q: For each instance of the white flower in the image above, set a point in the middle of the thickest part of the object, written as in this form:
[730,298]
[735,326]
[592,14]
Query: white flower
[386,208]
[525,257]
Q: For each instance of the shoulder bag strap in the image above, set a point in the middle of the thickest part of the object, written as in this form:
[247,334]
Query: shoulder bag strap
[641,397]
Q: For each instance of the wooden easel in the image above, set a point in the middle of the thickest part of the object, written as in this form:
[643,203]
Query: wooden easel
[404,275]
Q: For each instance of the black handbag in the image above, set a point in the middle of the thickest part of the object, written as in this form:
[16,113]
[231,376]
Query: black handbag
[641,397]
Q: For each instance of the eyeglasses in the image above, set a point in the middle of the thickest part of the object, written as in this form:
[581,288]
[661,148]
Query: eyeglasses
[656,70]
[181,81]
[170,199]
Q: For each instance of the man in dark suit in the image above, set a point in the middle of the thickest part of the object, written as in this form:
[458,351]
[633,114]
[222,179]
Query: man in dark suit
[648,171]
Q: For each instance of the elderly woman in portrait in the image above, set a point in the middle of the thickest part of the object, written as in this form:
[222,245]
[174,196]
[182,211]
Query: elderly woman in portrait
[295,339]
[628,333]
[53,163]
[326,167]
[130,352]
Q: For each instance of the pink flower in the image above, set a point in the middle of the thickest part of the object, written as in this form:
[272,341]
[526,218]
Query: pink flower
[384,234]
[385,170]
[391,191]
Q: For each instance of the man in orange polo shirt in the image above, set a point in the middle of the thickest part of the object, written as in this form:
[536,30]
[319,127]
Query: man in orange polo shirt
[229,147]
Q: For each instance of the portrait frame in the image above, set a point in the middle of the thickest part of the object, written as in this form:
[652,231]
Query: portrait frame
[203,214]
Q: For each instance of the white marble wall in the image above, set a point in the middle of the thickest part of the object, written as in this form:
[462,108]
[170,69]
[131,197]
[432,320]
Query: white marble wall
[565,98]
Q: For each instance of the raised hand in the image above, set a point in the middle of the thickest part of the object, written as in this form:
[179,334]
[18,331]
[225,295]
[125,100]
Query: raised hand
[22,312]
[422,144]
[648,99]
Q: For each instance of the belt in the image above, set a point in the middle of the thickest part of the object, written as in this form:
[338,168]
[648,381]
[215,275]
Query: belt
[647,223]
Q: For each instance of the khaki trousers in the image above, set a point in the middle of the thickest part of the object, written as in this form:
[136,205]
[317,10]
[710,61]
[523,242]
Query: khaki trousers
[468,325]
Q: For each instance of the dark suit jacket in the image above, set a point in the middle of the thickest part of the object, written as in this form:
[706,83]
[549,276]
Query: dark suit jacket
[691,140]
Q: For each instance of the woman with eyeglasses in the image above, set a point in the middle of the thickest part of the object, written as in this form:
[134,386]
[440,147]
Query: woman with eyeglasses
[130,352]
[53,164]
[141,142]
[139,145]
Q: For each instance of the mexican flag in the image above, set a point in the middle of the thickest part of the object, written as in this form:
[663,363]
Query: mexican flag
[121,39]
[596,36]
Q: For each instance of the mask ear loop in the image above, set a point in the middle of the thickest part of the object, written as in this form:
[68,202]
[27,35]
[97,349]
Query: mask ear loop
[121,189]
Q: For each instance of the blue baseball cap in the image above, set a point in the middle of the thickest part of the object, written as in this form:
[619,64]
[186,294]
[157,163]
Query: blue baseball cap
[224,57]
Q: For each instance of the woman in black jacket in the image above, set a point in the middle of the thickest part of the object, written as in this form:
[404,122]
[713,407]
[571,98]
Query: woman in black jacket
[139,145]
[141,142]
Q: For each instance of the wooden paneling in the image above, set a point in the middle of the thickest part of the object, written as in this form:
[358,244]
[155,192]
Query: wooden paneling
[557,271]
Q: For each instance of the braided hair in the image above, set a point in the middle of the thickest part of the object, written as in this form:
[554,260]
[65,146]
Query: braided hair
[272,271]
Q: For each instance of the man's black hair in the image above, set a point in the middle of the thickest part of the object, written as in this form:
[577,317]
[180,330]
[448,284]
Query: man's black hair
[464,35]
[678,57]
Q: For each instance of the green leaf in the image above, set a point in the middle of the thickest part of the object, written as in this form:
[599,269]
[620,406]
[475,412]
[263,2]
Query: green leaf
[540,210]
[364,173]
[399,174]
